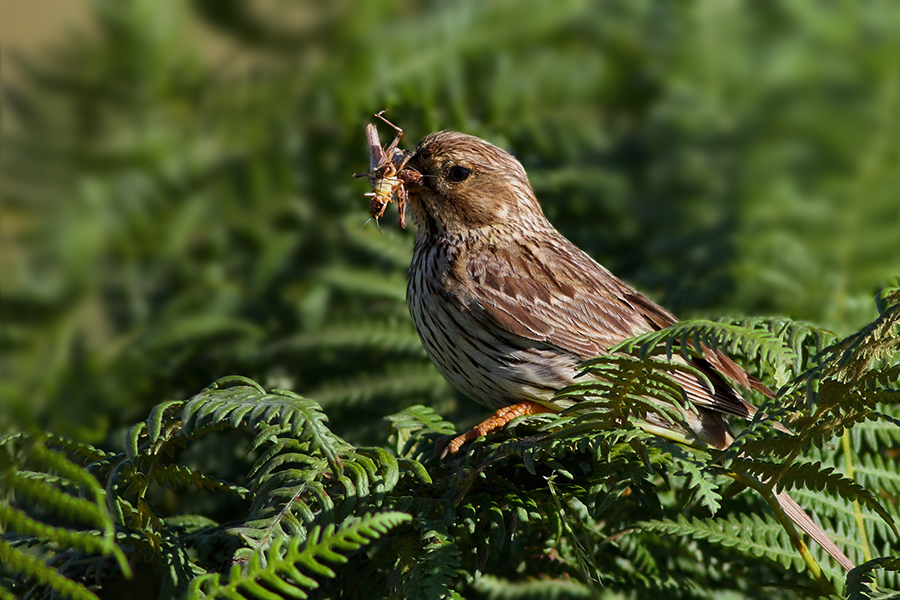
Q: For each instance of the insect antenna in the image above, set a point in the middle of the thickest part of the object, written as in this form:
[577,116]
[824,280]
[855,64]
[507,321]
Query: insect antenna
[377,224]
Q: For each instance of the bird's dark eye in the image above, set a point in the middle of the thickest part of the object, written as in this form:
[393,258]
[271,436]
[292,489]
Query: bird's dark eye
[457,174]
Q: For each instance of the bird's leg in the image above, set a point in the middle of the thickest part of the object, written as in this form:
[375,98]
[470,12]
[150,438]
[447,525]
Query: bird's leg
[496,421]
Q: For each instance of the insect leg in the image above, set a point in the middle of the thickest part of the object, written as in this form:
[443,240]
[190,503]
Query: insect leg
[389,149]
[401,205]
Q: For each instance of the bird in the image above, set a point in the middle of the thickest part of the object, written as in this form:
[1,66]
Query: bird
[507,308]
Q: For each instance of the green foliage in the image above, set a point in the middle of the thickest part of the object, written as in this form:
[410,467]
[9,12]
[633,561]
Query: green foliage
[281,567]
[597,493]
[748,534]
[750,340]
[178,206]
[172,215]
[860,579]
[52,504]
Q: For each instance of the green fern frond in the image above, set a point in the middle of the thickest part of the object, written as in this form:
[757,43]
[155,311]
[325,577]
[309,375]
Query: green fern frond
[371,475]
[292,570]
[284,507]
[40,484]
[495,521]
[836,407]
[154,423]
[816,477]
[693,337]
[284,483]
[420,418]
[747,533]
[281,453]
[876,473]
[238,401]
[860,579]
[18,521]
[878,339]
[294,488]
[612,451]
[494,588]
[27,566]
[887,298]
[698,481]
[85,453]
[381,467]
[46,493]
[432,571]
[411,427]
[190,523]
[383,338]
[174,476]
[804,339]
[881,431]
[626,387]
[415,379]
[366,283]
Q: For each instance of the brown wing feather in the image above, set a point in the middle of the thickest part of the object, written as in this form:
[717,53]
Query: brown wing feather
[530,289]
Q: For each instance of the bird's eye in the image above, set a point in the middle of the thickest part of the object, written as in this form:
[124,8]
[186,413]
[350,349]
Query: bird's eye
[457,174]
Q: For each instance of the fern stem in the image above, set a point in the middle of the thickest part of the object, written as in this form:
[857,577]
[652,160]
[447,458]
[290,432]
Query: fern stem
[769,496]
[589,569]
[687,439]
[857,513]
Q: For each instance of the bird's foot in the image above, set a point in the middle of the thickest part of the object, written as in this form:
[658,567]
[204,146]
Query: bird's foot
[496,421]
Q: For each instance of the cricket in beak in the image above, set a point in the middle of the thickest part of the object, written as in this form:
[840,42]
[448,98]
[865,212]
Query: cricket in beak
[387,173]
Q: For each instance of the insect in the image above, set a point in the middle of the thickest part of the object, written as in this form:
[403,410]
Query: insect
[387,173]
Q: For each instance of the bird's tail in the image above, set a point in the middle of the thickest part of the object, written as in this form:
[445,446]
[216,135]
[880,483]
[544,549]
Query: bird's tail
[804,522]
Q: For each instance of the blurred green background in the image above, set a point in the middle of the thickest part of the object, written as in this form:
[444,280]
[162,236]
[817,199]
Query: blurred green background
[178,206]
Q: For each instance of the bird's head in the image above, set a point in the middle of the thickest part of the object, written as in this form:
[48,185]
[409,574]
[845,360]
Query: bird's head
[469,184]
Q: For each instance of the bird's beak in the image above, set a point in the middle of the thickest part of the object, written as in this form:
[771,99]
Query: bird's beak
[414,175]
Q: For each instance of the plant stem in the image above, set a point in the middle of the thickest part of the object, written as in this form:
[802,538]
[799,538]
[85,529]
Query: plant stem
[769,496]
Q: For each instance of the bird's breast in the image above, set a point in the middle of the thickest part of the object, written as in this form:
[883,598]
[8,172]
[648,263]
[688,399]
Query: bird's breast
[477,356]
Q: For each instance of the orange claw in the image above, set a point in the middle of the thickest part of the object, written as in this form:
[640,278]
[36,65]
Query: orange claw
[496,421]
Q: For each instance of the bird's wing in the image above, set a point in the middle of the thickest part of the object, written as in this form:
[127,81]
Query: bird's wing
[536,289]
[713,360]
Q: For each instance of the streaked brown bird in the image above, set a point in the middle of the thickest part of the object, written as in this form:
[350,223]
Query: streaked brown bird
[507,308]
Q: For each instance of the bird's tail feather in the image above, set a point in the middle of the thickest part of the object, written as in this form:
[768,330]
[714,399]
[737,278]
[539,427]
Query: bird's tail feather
[804,522]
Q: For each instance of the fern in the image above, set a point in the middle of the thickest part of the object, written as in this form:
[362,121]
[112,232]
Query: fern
[20,562]
[805,340]
[554,481]
[860,579]
[550,589]
[432,571]
[707,179]
[704,490]
[877,473]
[747,533]
[693,337]
[288,572]
[628,387]
[250,402]
[414,379]
[813,476]
[417,423]
[31,498]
